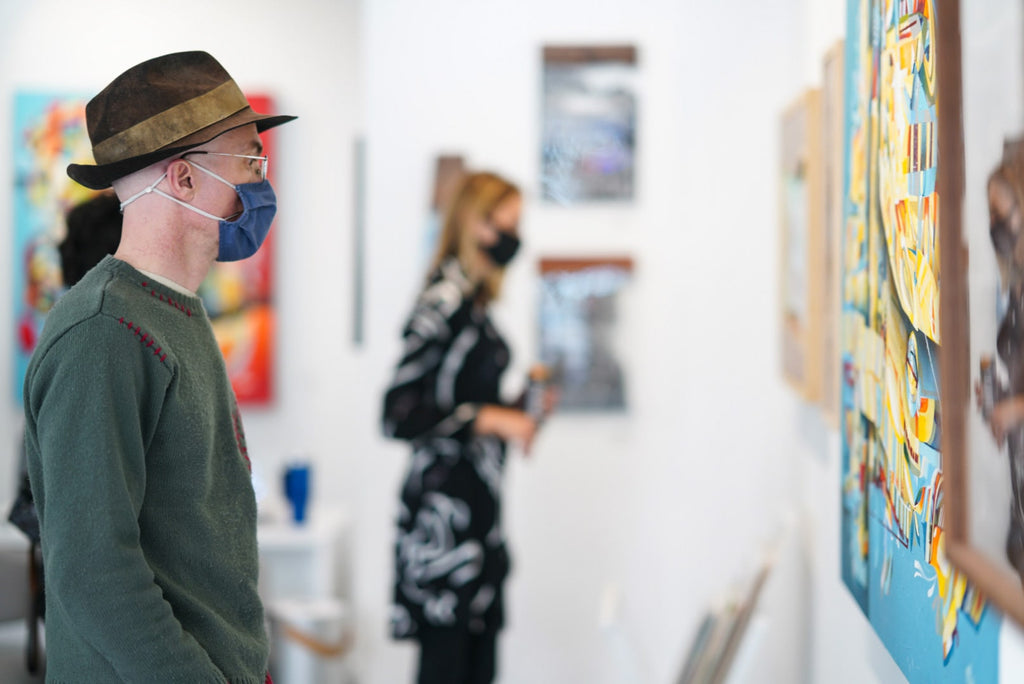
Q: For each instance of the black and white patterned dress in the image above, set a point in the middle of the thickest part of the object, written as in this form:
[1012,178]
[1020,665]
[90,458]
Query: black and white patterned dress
[450,551]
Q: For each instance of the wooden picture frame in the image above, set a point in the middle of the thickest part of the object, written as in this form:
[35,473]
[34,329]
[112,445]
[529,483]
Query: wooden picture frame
[800,231]
[981,143]
[832,132]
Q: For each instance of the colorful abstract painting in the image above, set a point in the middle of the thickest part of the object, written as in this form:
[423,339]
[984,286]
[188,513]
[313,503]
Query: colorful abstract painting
[935,625]
[588,131]
[49,134]
[238,297]
[581,339]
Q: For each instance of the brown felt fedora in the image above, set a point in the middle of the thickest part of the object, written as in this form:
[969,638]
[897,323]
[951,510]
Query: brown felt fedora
[159,109]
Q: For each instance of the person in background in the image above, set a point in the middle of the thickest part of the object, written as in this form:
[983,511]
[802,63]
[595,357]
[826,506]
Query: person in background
[1002,402]
[135,448]
[93,231]
[444,399]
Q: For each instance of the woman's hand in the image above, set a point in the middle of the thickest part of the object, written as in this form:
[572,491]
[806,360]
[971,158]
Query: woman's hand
[511,425]
[1006,415]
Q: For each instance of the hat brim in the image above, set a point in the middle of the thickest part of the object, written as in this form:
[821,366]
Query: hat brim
[100,176]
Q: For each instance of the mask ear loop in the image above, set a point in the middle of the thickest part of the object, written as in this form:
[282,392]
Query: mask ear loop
[153,189]
[144,191]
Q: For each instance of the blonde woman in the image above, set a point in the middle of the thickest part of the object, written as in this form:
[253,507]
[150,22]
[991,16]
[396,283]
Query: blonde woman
[451,560]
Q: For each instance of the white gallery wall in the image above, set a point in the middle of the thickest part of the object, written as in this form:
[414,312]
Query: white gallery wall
[657,511]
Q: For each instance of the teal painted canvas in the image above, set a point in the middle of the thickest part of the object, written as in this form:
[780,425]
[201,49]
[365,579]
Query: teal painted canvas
[934,623]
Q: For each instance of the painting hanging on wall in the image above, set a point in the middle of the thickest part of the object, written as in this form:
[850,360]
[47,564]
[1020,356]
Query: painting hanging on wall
[50,133]
[832,215]
[982,312]
[238,297]
[800,240]
[580,332]
[935,623]
[588,130]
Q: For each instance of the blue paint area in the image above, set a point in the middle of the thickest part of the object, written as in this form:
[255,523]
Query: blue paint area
[905,617]
[892,585]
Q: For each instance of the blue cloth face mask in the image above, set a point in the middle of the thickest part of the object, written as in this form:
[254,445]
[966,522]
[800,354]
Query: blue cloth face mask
[239,238]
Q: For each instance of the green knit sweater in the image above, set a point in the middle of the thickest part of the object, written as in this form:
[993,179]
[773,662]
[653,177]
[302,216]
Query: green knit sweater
[139,469]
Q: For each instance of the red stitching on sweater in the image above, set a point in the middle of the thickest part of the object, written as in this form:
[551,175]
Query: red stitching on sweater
[236,421]
[146,339]
[167,300]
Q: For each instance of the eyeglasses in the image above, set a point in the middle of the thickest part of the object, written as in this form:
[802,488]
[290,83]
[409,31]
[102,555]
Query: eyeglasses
[264,161]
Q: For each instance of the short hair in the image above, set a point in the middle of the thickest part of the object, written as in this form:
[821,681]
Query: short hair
[94,231]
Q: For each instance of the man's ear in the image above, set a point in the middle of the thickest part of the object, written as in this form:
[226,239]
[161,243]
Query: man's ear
[181,179]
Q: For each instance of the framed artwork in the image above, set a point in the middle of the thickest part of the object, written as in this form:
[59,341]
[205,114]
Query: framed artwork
[49,133]
[832,214]
[359,240]
[238,296]
[588,129]
[893,417]
[714,648]
[801,235]
[449,170]
[982,147]
[579,331]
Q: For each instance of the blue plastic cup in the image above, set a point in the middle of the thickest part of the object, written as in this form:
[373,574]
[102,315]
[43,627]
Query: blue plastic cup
[296,489]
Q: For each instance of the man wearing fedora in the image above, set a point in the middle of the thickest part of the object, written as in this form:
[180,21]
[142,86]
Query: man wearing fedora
[135,446]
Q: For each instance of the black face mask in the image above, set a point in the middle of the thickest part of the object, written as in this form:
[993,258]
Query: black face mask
[1003,237]
[502,251]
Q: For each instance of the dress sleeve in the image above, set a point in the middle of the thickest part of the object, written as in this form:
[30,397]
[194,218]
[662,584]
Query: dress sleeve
[420,402]
[90,418]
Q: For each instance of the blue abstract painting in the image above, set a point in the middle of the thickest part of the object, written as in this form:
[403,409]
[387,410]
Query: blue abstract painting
[934,623]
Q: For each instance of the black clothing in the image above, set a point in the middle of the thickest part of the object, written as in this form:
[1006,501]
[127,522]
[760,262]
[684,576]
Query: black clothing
[455,656]
[450,553]
[1010,344]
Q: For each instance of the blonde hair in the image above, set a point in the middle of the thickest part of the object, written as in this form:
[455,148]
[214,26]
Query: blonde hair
[479,194]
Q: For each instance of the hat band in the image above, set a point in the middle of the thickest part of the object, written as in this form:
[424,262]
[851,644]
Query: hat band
[172,124]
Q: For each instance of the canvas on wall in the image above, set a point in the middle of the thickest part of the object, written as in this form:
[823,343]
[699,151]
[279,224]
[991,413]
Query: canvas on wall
[588,127]
[238,296]
[49,133]
[580,331]
[984,358]
[933,622]
[801,235]
[832,214]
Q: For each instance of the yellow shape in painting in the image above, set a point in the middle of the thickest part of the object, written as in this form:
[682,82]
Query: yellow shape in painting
[870,366]
[906,171]
[952,586]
